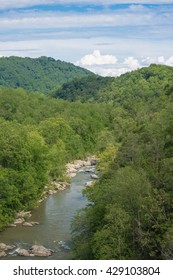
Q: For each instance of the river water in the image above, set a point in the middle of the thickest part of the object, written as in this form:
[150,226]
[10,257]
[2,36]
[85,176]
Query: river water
[54,215]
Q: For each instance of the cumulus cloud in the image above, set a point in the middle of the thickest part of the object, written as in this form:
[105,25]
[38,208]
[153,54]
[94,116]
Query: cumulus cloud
[169,61]
[111,72]
[157,60]
[109,65]
[96,58]
[161,59]
[131,62]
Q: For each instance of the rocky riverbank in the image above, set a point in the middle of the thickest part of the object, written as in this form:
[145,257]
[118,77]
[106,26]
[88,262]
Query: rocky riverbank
[4,248]
[24,217]
[52,188]
[34,251]
[72,168]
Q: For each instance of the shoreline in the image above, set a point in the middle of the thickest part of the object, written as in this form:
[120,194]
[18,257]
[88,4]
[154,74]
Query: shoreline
[22,217]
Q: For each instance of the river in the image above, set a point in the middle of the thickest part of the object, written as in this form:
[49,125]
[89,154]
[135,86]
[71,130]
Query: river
[54,215]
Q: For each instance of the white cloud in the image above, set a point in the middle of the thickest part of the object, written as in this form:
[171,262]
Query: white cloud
[161,59]
[120,67]
[96,58]
[169,61]
[133,15]
[157,60]
[60,20]
[111,72]
[145,61]
[5,4]
[131,62]
[108,65]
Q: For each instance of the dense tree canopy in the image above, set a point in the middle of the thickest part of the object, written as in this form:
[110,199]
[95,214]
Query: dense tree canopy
[128,122]
[40,74]
[38,136]
[136,85]
[130,215]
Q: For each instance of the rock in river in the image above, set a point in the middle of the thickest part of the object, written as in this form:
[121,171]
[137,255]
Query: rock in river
[35,250]
[89,184]
[94,176]
[29,224]
[40,251]
[24,252]
[2,254]
[5,247]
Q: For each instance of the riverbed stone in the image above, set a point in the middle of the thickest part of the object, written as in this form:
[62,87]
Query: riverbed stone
[94,176]
[23,214]
[2,254]
[41,200]
[5,247]
[34,223]
[73,167]
[89,184]
[87,163]
[27,224]
[19,221]
[52,192]
[41,251]
[23,252]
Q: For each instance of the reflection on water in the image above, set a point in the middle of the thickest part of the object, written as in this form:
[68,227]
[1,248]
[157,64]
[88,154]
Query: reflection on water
[54,216]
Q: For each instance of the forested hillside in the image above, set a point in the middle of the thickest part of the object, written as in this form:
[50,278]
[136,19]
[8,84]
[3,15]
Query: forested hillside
[42,74]
[128,123]
[38,136]
[141,83]
[85,89]
[130,211]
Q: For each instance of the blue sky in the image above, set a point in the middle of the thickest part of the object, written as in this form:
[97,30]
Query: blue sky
[108,37]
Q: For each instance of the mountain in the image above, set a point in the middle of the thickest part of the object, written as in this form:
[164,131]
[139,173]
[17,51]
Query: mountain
[144,83]
[42,74]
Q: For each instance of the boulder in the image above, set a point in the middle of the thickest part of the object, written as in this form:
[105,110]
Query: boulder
[94,176]
[57,185]
[35,250]
[23,214]
[41,200]
[52,192]
[34,223]
[41,251]
[72,170]
[89,184]
[27,224]
[61,185]
[23,252]
[71,175]
[19,221]
[5,247]
[87,163]
[2,254]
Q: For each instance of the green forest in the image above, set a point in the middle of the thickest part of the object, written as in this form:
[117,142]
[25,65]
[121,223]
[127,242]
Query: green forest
[43,74]
[127,122]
